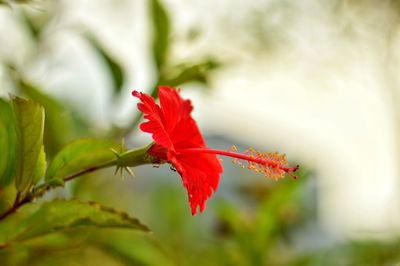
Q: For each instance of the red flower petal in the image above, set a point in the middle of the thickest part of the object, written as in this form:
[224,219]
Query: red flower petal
[155,124]
[187,135]
[173,128]
[173,107]
[200,176]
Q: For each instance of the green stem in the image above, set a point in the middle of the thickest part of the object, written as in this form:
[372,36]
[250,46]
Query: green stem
[40,190]
[92,169]
[135,157]
[15,206]
[129,158]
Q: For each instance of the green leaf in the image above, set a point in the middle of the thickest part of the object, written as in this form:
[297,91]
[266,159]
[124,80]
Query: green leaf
[7,144]
[40,168]
[57,124]
[34,220]
[113,67]
[190,73]
[161,29]
[29,127]
[7,197]
[80,155]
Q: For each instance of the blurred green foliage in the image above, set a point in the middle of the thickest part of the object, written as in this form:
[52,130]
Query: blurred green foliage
[368,253]
[114,68]
[260,227]
[161,30]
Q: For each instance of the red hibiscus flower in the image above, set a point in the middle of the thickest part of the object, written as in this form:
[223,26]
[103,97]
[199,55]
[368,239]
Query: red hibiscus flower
[178,141]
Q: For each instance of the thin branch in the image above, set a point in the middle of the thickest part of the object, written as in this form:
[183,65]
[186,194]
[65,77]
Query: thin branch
[40,190]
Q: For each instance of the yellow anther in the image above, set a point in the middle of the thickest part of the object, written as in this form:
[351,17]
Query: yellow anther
[271,164]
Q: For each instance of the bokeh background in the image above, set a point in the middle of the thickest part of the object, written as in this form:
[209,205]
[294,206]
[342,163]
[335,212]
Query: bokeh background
[317,80]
